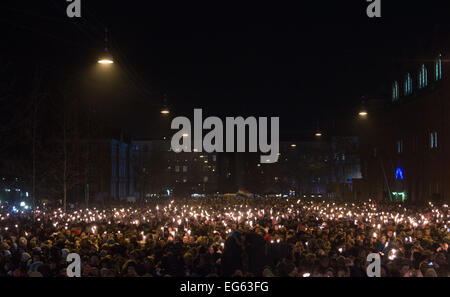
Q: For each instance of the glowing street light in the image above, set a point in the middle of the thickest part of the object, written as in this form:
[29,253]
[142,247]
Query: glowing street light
[293,145]
[363,113]
[318,133]
[106,58]
[165,109]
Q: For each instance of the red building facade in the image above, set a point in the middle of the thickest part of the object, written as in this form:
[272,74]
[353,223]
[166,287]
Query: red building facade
[405,140]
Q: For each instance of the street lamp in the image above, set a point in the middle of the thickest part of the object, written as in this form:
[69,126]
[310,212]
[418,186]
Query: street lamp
[318,133]
[363,111]
[165,110]
[106,58]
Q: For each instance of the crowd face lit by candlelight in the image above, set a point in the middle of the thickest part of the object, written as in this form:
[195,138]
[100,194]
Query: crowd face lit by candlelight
[188,231]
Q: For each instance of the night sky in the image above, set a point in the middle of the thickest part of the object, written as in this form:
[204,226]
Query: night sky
[306,63]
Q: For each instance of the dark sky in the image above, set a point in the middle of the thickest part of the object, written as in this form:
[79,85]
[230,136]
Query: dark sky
[306,63]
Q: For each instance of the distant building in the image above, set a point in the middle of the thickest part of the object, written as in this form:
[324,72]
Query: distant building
[310,167]
[110,174]
[160,171]
[305,167]
[406,138]
[346,178]
[13,189]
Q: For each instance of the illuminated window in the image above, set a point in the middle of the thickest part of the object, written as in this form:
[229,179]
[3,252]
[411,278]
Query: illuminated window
[408,85]
[395,91]
[433,140]
[400,146]
[438,68]
[423,77]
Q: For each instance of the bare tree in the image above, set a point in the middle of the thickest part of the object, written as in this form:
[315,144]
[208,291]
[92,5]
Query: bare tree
[19,125]
[36,99]
[66,152]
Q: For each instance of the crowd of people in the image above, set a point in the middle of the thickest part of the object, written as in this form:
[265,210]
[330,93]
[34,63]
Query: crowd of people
[238,237]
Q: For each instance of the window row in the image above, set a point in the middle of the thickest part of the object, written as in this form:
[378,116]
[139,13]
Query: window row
[433,143]
[422,80]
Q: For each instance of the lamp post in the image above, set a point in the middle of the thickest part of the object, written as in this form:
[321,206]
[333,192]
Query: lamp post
[106,57]
[165,109]
[363,111]
[318,132]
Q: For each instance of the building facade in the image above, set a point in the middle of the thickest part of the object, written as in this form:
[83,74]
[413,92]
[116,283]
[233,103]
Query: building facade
[110,174]
[13,189]
[406,137]
[160,171]
[316,167]
[309,167]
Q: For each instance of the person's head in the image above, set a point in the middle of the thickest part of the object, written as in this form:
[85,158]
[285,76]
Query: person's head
[22,242]
[404,267]
[268,272]
[238,273]
[384,272]
[291,270]
[17,272]
[329,272]
[359,240]
[36,258]
[341,272]
[130,268]
[430,272]
[419,234]
[25,257]
[94,272]
[94,260]
[324,261]
[104,272]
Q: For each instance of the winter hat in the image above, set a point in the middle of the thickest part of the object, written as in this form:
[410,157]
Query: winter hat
[35,274]
[37,251]
[35,266]
[25,257]
[268,273]
[64,253]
